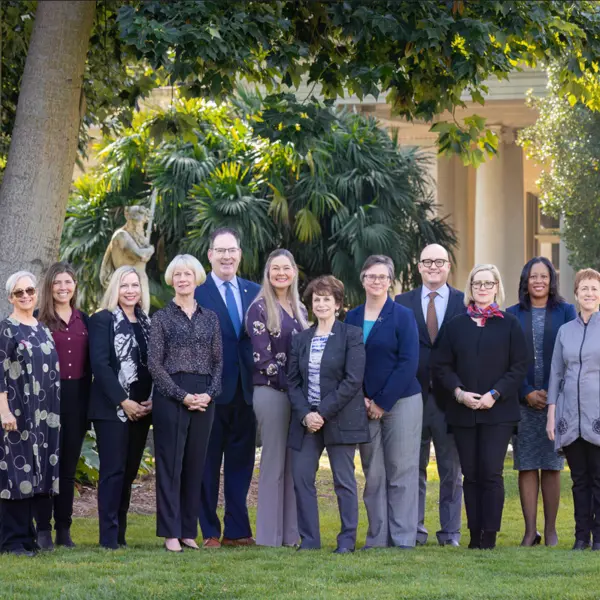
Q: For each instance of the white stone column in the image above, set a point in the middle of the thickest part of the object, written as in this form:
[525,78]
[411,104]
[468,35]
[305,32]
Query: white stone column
[567,273]
[500,213]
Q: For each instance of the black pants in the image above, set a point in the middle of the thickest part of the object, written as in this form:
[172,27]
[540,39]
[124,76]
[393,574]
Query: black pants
[74,402]
[16,523]
[181,442]
[584,463]
[482,450]
[120,449]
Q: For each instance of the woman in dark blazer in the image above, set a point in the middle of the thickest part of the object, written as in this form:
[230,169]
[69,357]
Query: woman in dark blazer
[325,375]
[120,402]
[395,409]
[482,359]
[69,328]
[541,312]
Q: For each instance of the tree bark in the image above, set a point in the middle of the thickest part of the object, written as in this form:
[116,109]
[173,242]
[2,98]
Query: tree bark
[38,175]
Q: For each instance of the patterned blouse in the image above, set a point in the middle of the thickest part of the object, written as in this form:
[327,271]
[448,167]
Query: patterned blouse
[179,344]
[270,349]
[317,347]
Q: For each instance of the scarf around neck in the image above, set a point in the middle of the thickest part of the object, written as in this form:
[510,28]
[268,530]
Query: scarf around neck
[127,350]
[489,312]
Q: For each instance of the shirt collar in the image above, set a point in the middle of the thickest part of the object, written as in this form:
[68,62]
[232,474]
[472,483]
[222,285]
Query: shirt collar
[442,292]
[220,282]
[75,314]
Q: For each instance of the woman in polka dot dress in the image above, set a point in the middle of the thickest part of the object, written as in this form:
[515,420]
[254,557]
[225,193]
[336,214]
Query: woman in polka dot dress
[29,417]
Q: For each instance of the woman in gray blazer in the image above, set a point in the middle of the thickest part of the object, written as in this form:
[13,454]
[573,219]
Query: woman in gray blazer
[325,378]
[574,406]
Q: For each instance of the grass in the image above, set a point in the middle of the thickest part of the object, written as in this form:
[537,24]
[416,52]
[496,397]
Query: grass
[146,571]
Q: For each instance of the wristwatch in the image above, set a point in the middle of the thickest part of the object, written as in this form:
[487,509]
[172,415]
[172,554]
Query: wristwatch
[494,394]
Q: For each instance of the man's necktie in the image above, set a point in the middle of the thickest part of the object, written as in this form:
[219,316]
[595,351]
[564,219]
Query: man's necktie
[432,322]
[232,308]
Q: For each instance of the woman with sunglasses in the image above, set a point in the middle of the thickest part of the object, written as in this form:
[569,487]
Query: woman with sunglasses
[29,416]
[69,328]
[120,402]
[482,360]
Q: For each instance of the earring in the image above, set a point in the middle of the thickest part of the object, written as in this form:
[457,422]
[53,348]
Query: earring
[337,313]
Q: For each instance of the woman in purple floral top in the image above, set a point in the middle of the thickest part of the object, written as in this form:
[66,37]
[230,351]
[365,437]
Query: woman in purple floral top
[272,320]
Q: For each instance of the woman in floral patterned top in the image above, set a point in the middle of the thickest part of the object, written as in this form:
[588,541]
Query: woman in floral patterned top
[272,320]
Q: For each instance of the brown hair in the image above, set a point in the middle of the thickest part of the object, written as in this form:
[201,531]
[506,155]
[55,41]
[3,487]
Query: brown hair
[585,274]
[222,231]
[326,285]
[47,314]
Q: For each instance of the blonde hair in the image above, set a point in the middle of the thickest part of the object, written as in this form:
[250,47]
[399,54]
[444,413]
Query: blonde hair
[583,274]
[268,295]
[11,282]
[493,269]
[110,301]
[189,261]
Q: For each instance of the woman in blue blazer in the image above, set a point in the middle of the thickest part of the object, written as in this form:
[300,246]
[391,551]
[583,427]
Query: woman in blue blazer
[395,409]
[541,312]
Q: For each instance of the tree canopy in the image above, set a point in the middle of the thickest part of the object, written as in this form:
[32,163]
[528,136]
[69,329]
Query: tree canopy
[565,140]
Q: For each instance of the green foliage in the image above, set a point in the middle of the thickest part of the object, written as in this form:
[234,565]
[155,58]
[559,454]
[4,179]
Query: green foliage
[426,56]
[566,141]
[88,466]
[340,191]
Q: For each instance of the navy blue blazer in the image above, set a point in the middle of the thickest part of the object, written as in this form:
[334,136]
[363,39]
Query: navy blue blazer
[556,317]
[237,352]
[456,306]
[392,350]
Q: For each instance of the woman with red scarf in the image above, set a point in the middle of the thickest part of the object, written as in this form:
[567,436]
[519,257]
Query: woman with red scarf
[481,361]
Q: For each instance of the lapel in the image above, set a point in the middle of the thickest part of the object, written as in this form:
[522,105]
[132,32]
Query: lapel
[418,310]
[454,302]
[386,311]
[330,346]
[549,337]
[219,304]
[245,295]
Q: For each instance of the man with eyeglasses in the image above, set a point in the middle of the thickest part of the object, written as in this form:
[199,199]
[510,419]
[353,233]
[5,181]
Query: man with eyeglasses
[435,303]
[233,434]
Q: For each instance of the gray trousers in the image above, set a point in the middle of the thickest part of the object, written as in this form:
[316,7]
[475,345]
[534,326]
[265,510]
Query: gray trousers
[305,464]
[435,429]
[276,515]
[391,465]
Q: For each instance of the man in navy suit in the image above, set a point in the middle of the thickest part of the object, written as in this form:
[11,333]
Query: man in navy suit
[435,303]
[233,434]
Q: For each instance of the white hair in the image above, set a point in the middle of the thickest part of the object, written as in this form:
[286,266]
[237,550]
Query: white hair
[11,282]
[186,261]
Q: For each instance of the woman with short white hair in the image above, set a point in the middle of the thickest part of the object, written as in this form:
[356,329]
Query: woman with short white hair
[186,361]
[29,417]
[120,400]
[481,361]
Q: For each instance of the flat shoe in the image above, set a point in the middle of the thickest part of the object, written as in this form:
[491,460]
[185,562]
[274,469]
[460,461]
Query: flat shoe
[343,551]
[184,545]
[176,551]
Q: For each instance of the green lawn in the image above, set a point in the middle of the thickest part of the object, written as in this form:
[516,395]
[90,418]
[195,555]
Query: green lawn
[146,571]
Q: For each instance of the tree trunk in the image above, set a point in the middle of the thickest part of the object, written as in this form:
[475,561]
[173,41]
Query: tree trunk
[38,175]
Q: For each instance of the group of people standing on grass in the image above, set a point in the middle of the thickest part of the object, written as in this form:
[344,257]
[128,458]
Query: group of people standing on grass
[228,361]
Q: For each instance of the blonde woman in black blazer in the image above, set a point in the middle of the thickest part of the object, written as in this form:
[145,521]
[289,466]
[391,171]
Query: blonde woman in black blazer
[325,377]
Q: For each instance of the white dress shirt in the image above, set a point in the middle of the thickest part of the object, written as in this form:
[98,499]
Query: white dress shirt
[440,302]
[237,294]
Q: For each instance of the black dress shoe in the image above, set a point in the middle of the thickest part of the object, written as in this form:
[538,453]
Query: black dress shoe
[343,550]
[581,545]
[405,547]
[488,540]
[301,547]
[22,552]
[44,541]
[453,543]
[63,538]
[475,543]
[535,542]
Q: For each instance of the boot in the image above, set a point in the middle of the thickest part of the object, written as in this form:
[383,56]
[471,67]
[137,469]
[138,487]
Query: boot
[63,538]
[488,540]
[475,542]
[44,541]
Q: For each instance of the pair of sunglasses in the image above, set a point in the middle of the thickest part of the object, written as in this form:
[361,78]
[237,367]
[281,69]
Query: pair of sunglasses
[30,291]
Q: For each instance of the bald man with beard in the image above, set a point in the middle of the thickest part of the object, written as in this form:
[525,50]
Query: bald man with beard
[435,303]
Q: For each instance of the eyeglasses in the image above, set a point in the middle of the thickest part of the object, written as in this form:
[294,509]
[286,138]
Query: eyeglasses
[374,278]
[438,262]
[488,285]
[30,291]
[224,251]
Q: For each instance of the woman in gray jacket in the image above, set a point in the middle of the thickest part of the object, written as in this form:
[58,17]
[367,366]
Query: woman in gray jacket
[574,406]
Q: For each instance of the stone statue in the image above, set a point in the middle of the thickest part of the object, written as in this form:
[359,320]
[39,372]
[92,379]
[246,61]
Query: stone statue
[129,245]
